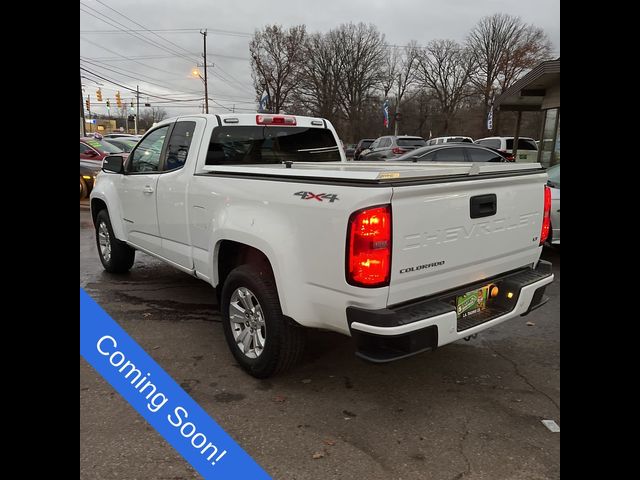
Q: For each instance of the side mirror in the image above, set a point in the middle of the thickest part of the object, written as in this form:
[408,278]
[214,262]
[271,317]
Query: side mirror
[113,163]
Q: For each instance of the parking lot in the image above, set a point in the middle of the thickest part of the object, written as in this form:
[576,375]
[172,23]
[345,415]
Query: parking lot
[470,410]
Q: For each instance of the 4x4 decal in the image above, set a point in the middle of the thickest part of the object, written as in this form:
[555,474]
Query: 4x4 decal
[332,197]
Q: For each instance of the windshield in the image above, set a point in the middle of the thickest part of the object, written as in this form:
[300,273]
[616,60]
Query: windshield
[255,145]
[554,176]
[103,146]
[411,142]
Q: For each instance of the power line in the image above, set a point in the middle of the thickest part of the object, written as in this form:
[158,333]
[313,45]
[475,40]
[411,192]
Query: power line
[139,37]
[215,31]
[145,28]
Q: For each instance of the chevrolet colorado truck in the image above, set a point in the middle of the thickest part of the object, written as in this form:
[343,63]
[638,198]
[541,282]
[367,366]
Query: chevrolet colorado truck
[265,208]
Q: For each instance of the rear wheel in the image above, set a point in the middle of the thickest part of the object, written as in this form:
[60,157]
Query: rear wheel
[261,339]
[116,256]
[84,189]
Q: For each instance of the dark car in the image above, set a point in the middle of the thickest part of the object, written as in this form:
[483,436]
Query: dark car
[362,145]
[126,144]
[454,152]
[349,150]
[95,149]
[88,172]
[392,146]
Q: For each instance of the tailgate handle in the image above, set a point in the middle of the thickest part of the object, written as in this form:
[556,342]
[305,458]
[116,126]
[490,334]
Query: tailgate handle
[483,205]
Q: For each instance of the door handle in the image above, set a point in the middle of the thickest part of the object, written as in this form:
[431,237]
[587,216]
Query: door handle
[147,189]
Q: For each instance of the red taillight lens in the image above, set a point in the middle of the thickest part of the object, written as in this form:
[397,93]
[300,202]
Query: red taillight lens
[510,158]
[275,120]
[546,216]
[369,247]
[398,150]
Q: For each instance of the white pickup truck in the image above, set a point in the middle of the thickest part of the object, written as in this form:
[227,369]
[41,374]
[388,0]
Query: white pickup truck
[403,258]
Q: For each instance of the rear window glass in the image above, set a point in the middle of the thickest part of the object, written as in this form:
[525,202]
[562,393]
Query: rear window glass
[522,144]
[459,139]
[366,143]
[450,155]
[259,145]
[411,142]
[493,143]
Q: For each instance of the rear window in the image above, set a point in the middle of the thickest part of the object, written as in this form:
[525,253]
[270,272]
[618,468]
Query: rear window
[493,143]
[260,145]
[522,144]
[366,143]
[411,142]
[459,140]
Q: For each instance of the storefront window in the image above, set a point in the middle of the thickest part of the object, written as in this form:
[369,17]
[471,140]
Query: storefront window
[547,153]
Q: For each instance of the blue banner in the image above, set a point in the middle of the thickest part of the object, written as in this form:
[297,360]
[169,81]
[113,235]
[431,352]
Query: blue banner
[159,399]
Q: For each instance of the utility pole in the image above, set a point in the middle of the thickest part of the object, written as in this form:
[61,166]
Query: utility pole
[204,57]
[84,125]
[395,116]
[137,108]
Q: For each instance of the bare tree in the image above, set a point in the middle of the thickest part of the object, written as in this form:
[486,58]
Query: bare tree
[152,115]
[360,55]
[528,48]
[407,72]
[389,74]
[503,47]
[317,88]
[276,62]
[445,68]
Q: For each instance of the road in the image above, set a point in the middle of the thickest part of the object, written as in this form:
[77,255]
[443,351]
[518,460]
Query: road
[470,410]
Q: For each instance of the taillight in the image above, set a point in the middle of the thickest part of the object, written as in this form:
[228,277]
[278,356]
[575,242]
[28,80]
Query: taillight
[398,150]
[275,120]
[510,158]
[546,216]
[369,247]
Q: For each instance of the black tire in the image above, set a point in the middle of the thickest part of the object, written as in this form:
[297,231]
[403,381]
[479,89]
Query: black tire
[283,341]
[84,189]
[121,256]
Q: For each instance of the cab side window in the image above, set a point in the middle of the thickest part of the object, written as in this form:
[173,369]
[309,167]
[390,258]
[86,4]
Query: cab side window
[178,146]
[146,156]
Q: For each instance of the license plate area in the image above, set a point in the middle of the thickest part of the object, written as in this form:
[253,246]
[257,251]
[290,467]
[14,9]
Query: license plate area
[472,302]
[483,303]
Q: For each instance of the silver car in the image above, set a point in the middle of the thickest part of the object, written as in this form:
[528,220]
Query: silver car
[554,184]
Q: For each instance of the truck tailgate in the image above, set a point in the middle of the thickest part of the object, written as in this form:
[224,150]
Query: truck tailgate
[437,245]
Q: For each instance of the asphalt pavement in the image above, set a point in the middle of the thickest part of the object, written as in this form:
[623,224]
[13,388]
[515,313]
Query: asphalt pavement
[469,410]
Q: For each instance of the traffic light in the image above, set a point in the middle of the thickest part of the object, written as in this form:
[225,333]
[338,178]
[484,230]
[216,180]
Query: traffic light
[99,95]
[131,105]
[118,100]
[88,104]
[108,104]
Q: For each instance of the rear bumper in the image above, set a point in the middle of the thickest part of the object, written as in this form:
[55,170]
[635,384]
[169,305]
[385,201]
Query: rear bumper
[400,331]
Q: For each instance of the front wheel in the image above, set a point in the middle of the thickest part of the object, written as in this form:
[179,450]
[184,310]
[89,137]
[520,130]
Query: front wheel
[116,256]
[261,339]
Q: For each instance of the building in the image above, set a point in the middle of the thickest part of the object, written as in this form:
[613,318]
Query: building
[538,90]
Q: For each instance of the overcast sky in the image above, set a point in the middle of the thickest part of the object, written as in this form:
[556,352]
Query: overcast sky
[161,62]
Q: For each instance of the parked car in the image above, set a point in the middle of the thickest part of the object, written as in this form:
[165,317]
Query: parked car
[527,148]
[362,145]
[454,152]
[391,146]
[121,135]
[95,149]
[428,257]
[554,185]
[125,144]
[349,150]
[441,140]
[88,172]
